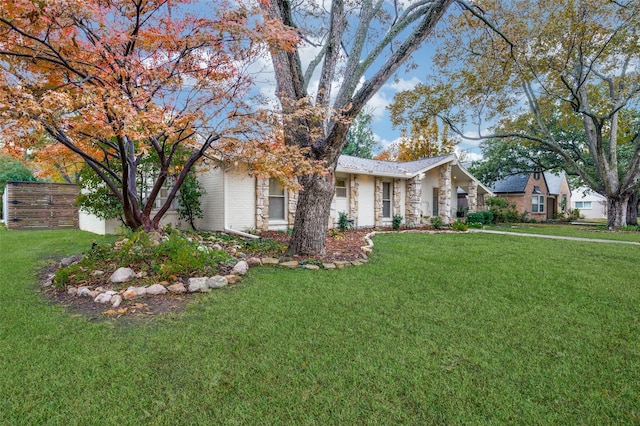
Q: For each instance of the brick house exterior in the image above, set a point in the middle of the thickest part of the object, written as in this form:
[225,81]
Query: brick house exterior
[542,195]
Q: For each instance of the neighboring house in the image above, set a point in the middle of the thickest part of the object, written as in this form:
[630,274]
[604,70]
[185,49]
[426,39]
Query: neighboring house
[591,204]
[542,195]
[371,192]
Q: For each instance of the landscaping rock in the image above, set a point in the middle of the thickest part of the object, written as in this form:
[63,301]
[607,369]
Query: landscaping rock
[49,281]
[269,261]
[72,291]
[83,291]
[122,275]
[92,294]
[134,293]
[70,260]
[198,284]
[97,272]
[341,264]
[217,282]
[103,298]
[116,300]
[216,247]
[232,279]
[156,289]
[292,264]
[177,288]
[241,268]
[254,261]
[311,266]
[329,265]
[356,263]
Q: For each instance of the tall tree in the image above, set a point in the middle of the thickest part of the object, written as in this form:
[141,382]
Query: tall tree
[117,81]
[361,44]
[574,59]
[361,141]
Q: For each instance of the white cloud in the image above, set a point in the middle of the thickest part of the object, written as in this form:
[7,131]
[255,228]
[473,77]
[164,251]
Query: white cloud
[402,84]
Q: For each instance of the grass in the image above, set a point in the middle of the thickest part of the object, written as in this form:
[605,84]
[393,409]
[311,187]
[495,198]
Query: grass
[567,230]
[436,329]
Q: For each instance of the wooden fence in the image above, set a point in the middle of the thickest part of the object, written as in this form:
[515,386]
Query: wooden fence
[38,205]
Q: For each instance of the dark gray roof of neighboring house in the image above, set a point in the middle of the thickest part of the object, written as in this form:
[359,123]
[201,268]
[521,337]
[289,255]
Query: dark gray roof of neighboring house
[514,183]
[554,181]
[346,162]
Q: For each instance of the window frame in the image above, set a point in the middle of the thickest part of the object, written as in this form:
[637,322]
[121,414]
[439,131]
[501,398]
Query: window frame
[341,190]
[537,204]
[386,202]
[277,197]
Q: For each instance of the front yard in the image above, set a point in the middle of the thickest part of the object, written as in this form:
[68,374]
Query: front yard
[435,329]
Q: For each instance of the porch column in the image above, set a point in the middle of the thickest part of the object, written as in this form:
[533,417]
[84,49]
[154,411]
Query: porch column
[377,202]
[444,199]
[262,204]
[396,197]
[291,206]
[472,196]
[353,198]
[413,201]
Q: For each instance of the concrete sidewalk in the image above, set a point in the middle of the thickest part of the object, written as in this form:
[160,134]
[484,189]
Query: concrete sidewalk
[554,237]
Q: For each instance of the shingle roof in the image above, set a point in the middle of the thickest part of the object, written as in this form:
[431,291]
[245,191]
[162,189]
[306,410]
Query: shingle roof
[554,181]
[514,183]
[364,165]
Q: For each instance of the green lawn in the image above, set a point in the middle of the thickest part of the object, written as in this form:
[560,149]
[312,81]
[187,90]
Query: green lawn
[567,230]
[436,329]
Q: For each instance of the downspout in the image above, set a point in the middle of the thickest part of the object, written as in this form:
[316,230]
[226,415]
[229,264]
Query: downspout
[243,234]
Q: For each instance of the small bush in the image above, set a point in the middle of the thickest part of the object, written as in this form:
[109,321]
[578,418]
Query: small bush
[396,222]
[343,221]
[459,225]
[474,225]
[484,217]
[436,222]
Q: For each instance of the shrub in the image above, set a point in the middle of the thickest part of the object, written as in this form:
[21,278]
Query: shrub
[343,221]
[396,221]
[459,225]
[482,217]
[502,211]
[474,224]
[436,222]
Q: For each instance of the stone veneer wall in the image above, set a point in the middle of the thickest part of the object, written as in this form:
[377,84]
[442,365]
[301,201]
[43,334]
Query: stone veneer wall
[413,200]
[444,199]
[377,209]
[292,204]
[397,207]
[472,196]
[354,191]
[262,204]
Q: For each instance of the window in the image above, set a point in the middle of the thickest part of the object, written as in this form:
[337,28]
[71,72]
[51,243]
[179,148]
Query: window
[536,175]
[537,204]
[583,204]
[341,188]
[435,202]
[386,199]
[563,203]
[276,200]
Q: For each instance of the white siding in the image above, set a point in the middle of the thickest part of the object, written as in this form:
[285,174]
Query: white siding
[366,202]
[430,181]
[240,206]
[598,208]
[212,203]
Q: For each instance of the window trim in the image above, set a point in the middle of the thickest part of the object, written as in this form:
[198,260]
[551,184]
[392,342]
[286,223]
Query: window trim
[341,190]
[273,197]
[387,201]
[537,204]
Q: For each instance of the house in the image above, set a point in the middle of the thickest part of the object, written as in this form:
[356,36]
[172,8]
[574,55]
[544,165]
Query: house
[542,195]
[591,204]
[370,192]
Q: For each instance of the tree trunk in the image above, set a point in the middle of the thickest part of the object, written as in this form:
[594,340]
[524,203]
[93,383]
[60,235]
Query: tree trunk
[312,215]
[632,209]
[617,211]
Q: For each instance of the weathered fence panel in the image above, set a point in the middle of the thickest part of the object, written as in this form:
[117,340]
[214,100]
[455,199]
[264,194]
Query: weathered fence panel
[39,205]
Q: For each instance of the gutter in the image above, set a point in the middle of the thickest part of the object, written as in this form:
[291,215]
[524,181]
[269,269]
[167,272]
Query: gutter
[243,234]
